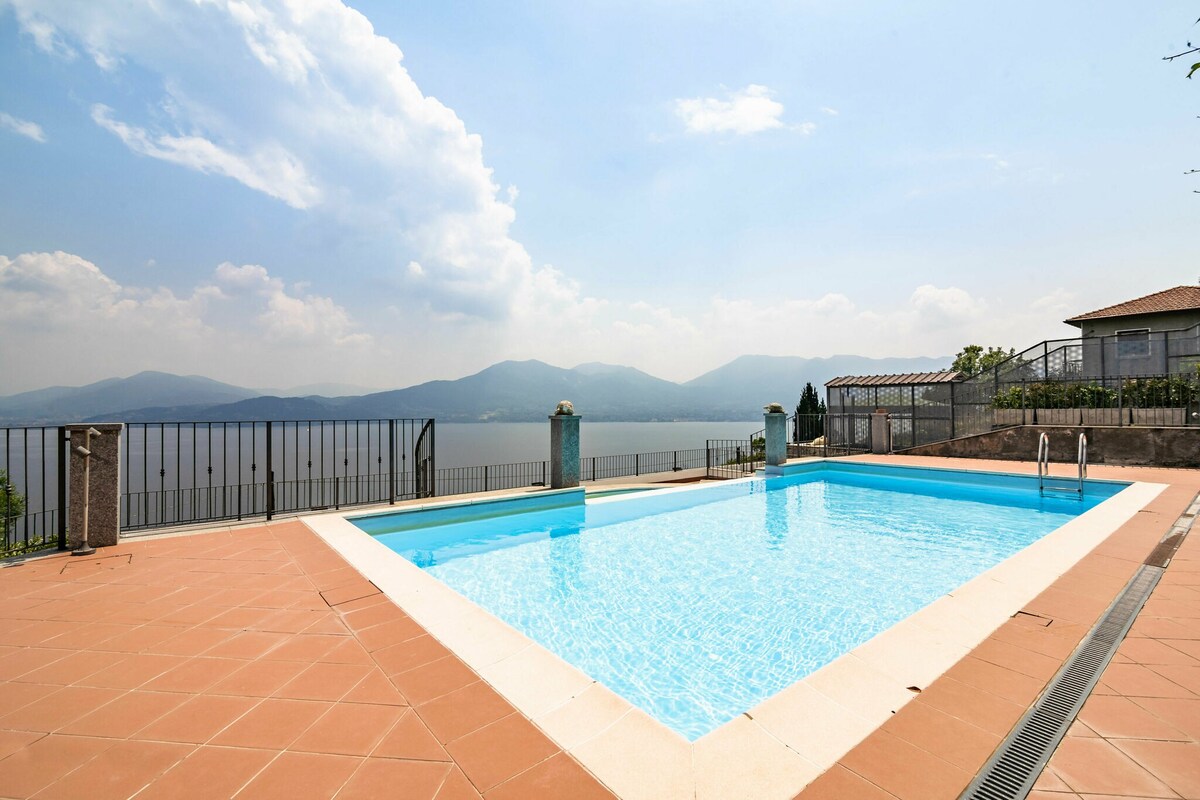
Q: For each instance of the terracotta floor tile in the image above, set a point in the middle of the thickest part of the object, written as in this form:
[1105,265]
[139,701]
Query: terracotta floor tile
[35,767]
[19,695]
[257,678]
[86,635]
[493,754]
[323,681]
[328,624]
[26,660]
[410,738]
[395,779]
[272,724]
[198,720]
[1181,714]
[457,787]
[131,671]
[1134,680]
[12,741]
[378,612]
[904,770]
[240,618]
[463,711]
[247,644]
[1121,718]
[125,715]
[351,591]
[1094,765]
[1001,681]
[289,621]
[947,737]
[375,688]
[192,641]
[389,633]
[1152,651]
[306,648]
[839,783]
[194,675]
[556,777]
[1050,782]
[433,680]
[73,668]
[988,711]
[1018,659]
[118,772]
[410,654]
[1177,764]
[313,776]
[349,729]
[1185,675]
[347,651]
[367,602]
[140,639]
[57,709]
[209,772]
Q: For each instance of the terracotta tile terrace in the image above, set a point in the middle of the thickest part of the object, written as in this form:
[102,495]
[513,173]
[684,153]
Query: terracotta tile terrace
[255,662]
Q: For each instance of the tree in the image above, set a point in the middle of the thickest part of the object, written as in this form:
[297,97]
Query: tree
[12,504]
[973,359]
[810,415]
[1195,68]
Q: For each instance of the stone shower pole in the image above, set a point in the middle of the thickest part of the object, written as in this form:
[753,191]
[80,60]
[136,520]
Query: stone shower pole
[564,447]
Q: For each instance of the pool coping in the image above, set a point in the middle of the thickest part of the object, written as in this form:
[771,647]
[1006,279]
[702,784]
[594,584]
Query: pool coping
[776,748]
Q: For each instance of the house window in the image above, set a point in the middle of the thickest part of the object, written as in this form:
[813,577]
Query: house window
[1134,343]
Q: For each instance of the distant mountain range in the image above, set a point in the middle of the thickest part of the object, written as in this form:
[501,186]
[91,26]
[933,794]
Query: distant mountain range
[511,391]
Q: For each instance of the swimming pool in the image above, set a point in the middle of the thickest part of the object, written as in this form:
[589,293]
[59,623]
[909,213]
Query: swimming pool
[697,604]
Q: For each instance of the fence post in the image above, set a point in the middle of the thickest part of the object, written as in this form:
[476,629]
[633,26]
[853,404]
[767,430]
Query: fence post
[270,487]
[485,477]
[64,442]
[1120,402]
[951,409]
[637,469]
[391,462]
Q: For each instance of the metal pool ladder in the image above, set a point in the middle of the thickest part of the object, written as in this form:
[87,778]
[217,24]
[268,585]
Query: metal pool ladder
[1043,462]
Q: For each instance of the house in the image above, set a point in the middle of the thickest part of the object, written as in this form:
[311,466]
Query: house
[1152,335]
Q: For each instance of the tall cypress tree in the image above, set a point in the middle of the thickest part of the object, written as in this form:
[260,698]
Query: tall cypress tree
[810,413]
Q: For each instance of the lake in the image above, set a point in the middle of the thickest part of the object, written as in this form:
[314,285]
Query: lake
[467,444]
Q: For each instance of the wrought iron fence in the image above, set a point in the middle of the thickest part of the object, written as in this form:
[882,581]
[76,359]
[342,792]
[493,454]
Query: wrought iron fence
[176,473]
[735,458]
[463,480]
[830,435]
[33,489]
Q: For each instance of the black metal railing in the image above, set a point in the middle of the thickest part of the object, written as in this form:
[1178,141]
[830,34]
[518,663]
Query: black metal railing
[830,435]
[734,458]
[177,473]
[465,480]
[33,489]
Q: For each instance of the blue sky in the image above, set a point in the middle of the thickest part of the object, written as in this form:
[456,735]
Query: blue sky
[285,193]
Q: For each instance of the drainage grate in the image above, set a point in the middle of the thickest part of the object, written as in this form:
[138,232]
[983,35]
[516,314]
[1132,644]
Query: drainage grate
[1161,556]
[1016,765]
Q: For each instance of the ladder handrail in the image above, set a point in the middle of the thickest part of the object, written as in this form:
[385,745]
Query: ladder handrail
[1082,461]
[1043,457]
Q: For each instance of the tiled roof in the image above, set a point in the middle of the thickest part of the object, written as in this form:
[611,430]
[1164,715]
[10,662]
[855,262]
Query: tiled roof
[905,379]
[1180,298]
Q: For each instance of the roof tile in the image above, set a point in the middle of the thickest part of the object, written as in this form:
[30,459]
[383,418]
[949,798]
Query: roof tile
[1179,298]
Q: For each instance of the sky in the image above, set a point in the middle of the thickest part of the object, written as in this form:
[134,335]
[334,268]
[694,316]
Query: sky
[379,193]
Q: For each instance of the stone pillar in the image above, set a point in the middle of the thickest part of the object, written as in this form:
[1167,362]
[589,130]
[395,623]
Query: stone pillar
[564,450]
[104,488]
[776,424]
[881,432]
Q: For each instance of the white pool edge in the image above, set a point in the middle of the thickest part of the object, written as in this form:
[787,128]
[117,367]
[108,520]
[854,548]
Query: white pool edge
[777,747]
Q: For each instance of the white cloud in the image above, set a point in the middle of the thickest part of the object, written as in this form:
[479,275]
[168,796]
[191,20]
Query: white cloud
[271,169]
[322,116]
[76,324]
[23,127]
[833,112]
[749,110]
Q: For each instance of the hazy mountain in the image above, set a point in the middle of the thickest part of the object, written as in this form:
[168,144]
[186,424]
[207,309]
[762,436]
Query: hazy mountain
[510,391]
[318,389]
[109,398]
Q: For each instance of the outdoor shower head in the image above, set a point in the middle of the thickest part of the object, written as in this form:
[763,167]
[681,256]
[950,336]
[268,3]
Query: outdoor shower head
[93,432]
[82,451]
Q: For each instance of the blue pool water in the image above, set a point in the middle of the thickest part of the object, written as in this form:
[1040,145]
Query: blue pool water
[697,605]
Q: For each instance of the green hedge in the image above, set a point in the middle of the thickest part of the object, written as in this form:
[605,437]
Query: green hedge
[1173,392]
